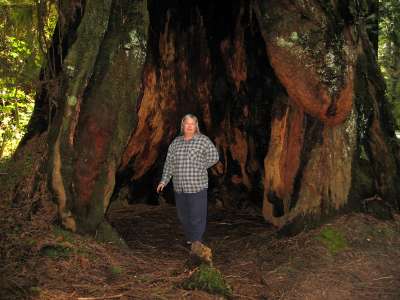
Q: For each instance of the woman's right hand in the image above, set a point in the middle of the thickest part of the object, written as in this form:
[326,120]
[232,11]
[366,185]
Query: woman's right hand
[160,187]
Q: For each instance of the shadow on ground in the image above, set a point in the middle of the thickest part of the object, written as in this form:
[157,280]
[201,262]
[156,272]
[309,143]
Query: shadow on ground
[353,257]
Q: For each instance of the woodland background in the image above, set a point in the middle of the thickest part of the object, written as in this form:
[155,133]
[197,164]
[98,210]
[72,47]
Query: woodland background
[352,256]
[26,28]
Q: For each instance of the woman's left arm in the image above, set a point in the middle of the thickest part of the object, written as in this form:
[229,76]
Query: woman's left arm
[211,154]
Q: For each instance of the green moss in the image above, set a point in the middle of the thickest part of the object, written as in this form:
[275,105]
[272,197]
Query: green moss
[107,234]
[56,251]
[65,234]
[208,279]
[31,242]
[35,290]
[115,270]
[294,36]
[332,239]
[71,100]
[281,42]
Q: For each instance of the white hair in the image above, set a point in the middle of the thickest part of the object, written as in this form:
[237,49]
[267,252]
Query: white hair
[194,118]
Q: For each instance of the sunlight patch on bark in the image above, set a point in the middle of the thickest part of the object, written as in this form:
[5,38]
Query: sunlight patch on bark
[58,186]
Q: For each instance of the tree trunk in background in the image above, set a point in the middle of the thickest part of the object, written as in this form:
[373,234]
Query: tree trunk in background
[289,91]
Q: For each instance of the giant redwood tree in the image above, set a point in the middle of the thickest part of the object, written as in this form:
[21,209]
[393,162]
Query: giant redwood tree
[288,90]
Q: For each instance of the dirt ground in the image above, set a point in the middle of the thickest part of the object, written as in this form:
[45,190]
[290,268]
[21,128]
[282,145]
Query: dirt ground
[354,257]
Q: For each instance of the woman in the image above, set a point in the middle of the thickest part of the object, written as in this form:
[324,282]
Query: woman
[188,158]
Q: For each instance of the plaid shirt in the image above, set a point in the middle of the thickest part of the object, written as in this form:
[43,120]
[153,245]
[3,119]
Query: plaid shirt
[187,163]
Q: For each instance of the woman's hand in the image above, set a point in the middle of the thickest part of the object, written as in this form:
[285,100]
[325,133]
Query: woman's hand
[160,187]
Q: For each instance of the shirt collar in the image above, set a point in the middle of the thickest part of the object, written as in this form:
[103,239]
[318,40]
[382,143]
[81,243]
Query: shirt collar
[195,136]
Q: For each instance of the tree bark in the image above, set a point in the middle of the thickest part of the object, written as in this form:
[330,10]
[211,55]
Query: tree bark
[95,112]
[289,91]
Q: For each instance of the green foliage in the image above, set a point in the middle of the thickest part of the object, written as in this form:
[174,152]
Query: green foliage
[332,239]
[15,112]
[208,279]
[25,31]
[389,50]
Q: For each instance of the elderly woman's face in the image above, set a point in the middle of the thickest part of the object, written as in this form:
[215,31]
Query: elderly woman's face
[189,126]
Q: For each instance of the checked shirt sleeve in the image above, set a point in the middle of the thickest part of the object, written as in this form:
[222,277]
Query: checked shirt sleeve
[167,172]
[211,154]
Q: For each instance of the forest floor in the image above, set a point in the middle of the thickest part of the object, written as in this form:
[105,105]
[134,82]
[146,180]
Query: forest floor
[353,256]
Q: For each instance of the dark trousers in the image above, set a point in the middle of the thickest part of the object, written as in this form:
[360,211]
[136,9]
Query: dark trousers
[192,212]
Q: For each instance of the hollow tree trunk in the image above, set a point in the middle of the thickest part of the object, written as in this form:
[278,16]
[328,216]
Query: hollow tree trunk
[289,91]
